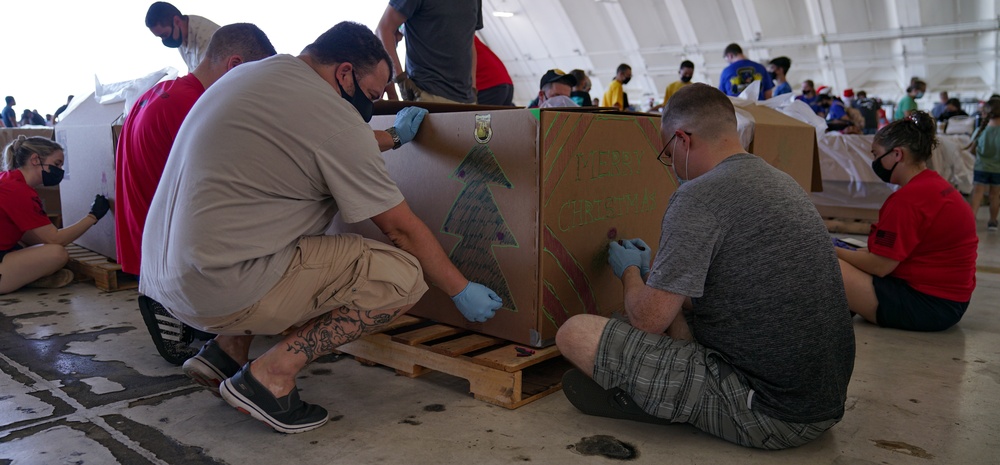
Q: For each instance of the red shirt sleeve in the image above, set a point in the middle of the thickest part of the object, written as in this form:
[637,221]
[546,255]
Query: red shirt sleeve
[897,232]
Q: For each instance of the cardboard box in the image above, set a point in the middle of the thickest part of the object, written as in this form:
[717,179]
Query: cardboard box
[787,144]
[526,201]
[49,195]
[86,135]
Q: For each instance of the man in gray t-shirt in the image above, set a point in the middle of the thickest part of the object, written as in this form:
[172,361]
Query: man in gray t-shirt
[763,350]
[440,54]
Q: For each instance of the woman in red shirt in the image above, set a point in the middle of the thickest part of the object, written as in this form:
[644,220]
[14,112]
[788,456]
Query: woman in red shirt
[919,269]
[32,250]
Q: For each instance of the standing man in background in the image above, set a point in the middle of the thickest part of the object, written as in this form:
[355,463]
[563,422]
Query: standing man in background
[495,86]
[742,72]
[440,54]
[189,34]
[686,72]
[8,114]
[615,96]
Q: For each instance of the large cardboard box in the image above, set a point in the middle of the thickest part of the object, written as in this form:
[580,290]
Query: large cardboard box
[86,135]
[526,202]
[48,195]
[787,144]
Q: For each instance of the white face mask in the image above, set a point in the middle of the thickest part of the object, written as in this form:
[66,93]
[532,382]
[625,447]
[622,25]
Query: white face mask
[687,159]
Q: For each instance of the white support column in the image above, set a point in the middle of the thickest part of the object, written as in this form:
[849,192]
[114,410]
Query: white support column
[746,15]
[904,14]
[830,56]
[630,47]
[689,40]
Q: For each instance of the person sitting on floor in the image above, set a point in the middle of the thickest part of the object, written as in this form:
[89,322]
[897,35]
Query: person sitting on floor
[741,326]
[30,162]
[919,269]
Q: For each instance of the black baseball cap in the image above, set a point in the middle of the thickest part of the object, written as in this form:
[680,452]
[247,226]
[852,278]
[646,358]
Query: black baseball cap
[557,75]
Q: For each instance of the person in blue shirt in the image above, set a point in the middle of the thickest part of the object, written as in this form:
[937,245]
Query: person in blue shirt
[778,69]
[810,97]
[742,72]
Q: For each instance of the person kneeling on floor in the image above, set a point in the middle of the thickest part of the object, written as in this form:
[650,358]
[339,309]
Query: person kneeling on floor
[919,269]
[29,162]
[741,326]
[263,162]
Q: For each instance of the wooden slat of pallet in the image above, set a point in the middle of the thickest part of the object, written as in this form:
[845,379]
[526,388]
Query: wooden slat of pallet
[497,376]
[107,275]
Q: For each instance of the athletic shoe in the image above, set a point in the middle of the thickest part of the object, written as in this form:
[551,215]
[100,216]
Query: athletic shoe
[590,398]
[991,226]
[287,414]
[171,337]
[211,366]
[55,280]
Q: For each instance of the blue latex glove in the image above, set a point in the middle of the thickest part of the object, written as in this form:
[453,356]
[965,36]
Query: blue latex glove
[621,257]
[644,251]
[477,303]
[408,122]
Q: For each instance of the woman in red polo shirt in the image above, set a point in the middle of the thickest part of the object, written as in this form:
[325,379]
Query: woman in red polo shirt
[32,250]
[919,269]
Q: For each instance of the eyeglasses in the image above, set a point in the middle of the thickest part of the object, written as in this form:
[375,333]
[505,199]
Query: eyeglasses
[663,152]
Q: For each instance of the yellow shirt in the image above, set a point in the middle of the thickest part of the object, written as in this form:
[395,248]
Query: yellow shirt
[673,87]
[614,96]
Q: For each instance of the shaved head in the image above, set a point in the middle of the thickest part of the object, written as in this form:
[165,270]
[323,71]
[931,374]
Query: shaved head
[701,109]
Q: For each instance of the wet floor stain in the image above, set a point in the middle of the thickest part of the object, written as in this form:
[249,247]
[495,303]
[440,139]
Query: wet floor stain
[336,418]
[522,458]
[64,301]
[410,420]
[903,448]
[321,371]
[6,302]
[605,446]
[434,408]
[915,401]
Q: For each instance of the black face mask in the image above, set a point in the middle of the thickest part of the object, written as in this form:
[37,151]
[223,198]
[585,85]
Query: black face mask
[359,99]
[626,80]
[773,75]
[880,171]
[170,41]
[685,78]
[53,176]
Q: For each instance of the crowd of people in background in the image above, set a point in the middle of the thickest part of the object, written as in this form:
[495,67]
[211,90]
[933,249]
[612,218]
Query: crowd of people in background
[9,118]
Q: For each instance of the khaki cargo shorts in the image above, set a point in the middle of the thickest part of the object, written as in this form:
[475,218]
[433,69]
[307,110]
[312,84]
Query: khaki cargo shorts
[326,273]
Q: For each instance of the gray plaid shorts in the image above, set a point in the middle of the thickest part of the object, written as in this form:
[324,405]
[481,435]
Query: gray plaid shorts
[686,382]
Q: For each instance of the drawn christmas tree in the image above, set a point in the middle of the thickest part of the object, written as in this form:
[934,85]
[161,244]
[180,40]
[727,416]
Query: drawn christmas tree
[475,218]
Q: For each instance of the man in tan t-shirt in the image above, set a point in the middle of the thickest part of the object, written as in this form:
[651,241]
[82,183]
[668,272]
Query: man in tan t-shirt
[262,164]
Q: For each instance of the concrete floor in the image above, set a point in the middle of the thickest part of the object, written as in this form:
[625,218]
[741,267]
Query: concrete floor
[80,383]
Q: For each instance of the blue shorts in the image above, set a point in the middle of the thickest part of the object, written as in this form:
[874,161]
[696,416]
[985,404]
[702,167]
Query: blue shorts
[985,177]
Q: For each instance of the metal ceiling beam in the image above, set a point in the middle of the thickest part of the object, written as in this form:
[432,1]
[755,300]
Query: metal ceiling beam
[746,15]
[630,46]
[689,39]
[822,20]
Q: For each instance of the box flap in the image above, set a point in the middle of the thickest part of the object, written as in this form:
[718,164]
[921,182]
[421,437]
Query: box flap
[787,144]
[91,113]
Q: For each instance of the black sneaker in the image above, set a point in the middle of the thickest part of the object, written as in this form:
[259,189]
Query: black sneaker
[211,366]
[171,337]
[991,226]
[287,414]
[590,398]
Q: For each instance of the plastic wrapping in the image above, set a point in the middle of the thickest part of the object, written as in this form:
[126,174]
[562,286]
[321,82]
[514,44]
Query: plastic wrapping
[129,91]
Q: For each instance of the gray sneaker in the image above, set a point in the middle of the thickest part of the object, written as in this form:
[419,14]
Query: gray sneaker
[211,366]
[287,414]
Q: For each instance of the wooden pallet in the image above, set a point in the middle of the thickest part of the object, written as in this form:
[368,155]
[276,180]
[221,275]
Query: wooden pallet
[848,226]
[107,275]
[496,374]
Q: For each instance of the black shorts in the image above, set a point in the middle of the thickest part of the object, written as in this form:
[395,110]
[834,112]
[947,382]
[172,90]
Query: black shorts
[902,307]
[5,252]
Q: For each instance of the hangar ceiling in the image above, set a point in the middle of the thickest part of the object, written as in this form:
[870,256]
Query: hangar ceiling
[875,45]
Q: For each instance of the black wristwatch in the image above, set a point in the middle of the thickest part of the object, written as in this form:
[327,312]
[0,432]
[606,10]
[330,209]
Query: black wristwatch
[396,143]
